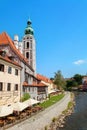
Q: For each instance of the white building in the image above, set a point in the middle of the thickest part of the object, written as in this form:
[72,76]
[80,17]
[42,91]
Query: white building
[24,53]
[9,80]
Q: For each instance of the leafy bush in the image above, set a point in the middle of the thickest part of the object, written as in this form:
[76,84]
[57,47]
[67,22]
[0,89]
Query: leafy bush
[25,97]
[54,119]
[45,128]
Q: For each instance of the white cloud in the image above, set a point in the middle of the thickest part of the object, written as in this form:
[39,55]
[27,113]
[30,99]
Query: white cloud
[79,62]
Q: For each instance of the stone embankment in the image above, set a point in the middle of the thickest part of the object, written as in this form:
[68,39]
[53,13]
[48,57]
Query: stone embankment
[42,120]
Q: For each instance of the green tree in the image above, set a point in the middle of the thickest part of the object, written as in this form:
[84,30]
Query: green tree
[71,83]
[78,78]
[59,81]
[25,97]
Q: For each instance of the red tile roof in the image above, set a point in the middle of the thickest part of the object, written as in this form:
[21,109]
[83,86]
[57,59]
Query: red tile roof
[43,78]
[6,40]
[25,83]
[34,85]
[3,39]
[8,60]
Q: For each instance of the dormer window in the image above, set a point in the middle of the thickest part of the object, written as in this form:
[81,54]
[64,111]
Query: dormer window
[11,58]
[2,53]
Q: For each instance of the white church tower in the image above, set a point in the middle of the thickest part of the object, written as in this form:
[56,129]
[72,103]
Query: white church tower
[29,45]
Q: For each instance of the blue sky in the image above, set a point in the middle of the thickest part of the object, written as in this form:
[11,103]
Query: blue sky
[60,29]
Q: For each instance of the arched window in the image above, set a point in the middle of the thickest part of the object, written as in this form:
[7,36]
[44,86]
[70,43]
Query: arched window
[27,55]
[27,44]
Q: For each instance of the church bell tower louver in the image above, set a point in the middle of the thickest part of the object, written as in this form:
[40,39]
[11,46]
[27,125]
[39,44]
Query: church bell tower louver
[29,45]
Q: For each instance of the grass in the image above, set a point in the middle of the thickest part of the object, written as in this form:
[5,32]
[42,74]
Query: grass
[51,101]
[70,105]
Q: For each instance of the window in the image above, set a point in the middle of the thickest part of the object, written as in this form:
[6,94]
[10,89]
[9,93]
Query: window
[9,70]
[30,37]
[27,44]
[16,72]
[24,90]
[8,87]
[16,87]
[29,89]
[31,44]
[24,44]
[26,77]
[31,63]
[27,55]
[1,86]
[2,67]
[33,89]
[30,54]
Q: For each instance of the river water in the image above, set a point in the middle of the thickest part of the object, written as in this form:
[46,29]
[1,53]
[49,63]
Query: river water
[78,119]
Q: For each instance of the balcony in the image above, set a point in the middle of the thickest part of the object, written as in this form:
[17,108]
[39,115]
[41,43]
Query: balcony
[41,92]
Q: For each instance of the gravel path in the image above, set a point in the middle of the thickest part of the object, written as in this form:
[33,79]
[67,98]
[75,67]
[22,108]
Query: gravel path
[40,120]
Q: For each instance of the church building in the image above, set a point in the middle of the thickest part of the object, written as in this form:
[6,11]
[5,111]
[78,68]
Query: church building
[23,55]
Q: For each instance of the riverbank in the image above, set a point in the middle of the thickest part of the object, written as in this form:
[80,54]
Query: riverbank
[44,118]
[58,122]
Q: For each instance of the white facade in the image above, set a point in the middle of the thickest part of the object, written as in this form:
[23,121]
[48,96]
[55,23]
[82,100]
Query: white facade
[50,85]
[9,82]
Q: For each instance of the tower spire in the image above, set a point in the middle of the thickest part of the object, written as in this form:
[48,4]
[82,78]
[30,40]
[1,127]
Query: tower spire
[29,29]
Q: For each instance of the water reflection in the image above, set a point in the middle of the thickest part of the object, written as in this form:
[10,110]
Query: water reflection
[78,119]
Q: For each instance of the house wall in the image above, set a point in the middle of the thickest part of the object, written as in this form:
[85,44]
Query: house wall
[32,92]
[42,95]
[50,86]
[24,69]
[8,97]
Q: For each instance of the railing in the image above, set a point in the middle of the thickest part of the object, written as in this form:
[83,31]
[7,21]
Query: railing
[41,92]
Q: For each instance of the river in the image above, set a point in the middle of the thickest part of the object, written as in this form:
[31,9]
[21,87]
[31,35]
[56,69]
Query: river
[78,119]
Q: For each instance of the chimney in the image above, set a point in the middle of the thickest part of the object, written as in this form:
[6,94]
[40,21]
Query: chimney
[16,40]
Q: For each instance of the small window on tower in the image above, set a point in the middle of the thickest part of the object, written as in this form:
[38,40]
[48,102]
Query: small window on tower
[31,44]
[31,63]
[27,44]
[30,37]
[27,55]
[30,54]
